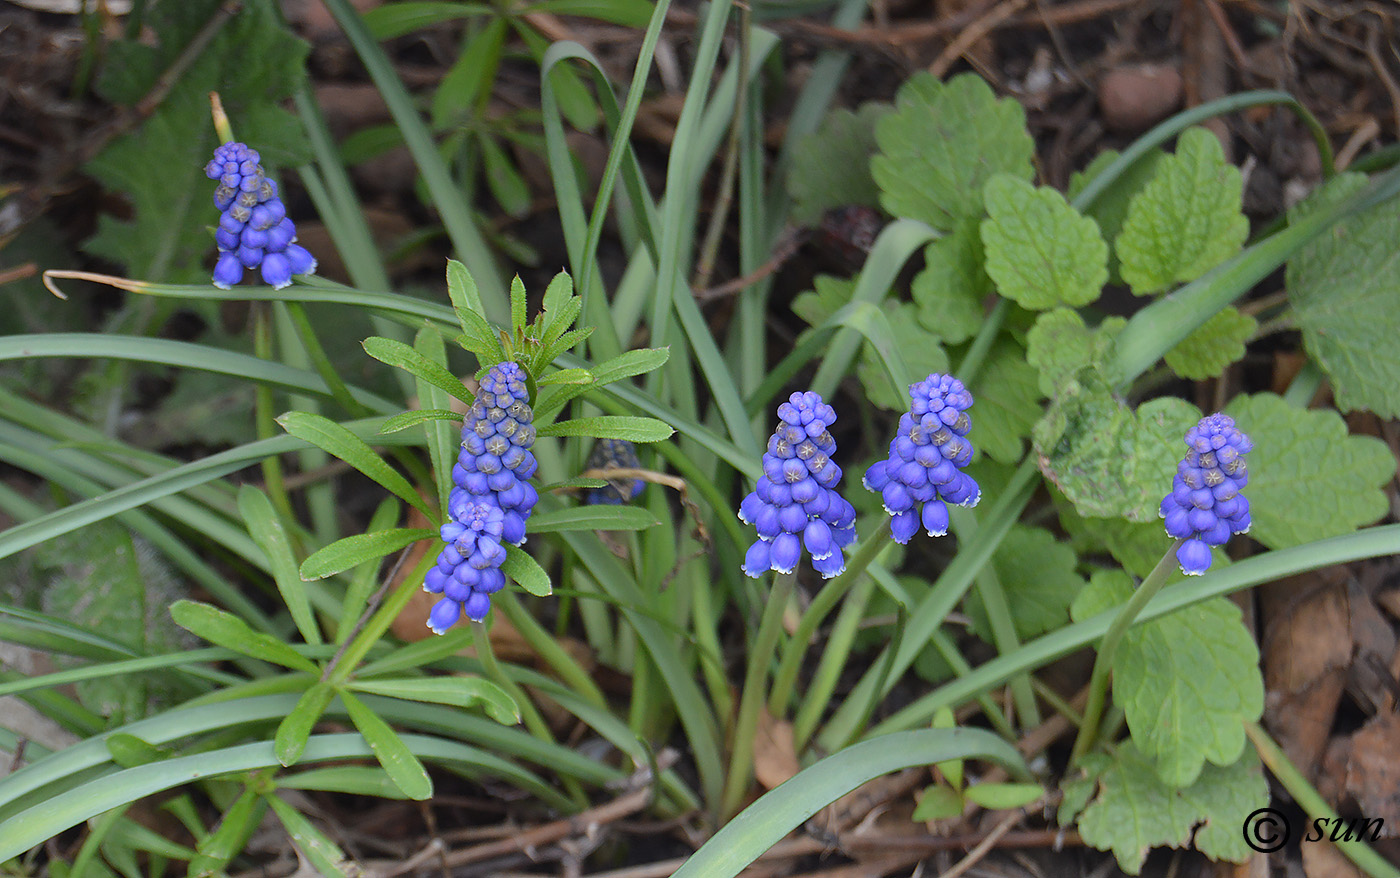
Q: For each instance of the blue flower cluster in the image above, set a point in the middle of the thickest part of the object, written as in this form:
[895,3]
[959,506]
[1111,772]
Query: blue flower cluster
[620,454]
[490,501]
[795,503]
[254,230]
[926,459]
[1205,505]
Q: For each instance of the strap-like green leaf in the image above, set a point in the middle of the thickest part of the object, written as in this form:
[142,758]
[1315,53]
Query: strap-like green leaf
[527,572]
[596,517]
[567,376]
[629,427]
[454,691]
[266,528]
[630,363]
[233,832]
[332,437]
[325,856]
[227,630]
[399,763]
[293,732]
[400,355]
[355,550]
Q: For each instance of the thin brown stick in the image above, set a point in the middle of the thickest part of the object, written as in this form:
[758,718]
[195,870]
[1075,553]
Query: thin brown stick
[972,33]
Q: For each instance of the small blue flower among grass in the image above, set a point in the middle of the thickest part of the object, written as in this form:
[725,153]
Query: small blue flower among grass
[795,503]
[490,501]
[1205,505]
[254,229]
[615,454]
[924,468]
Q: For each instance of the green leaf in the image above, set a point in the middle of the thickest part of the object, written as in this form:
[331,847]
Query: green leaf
[225,842]
[265,526]
[404,420]
[1138,546]
[292,733]
[227,630]
[938,802]
[1040,251]
[845,140]
[526,571]
[1187,682]
[398,761]
[567,376]
[827,296]
[556,296]
[456,691]
[340,442]
[1003,796]
[254,63]
[629,364]
[951,288]
[1344,287]
[595,517]
[1111,207]
[401,356]
[518,305]
[129,751]
[398,19]
[1008,402]
[1214,345]
[466,301]
[352,551]
[1110,461]
[1186,220]
[942,143]
[1308,479]
[507,186]
[1037,572]
[908,349]
[324,856]
[1059,345]
[360,780]
[1133,811]
[466,84]
[103,579]
[629,427]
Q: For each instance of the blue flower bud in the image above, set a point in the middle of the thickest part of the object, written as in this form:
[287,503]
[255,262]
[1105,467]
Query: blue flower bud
[922,472]
[1205,505]
[254,231]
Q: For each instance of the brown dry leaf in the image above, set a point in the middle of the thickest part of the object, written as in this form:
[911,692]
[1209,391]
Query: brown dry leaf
[1306,652]
[1322,860]
[1389,600]
[774,751]
[1373,772]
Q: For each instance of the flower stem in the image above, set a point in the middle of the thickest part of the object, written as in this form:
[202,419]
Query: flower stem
[821,606]
[1312,803]
[755,679]
[1108,647]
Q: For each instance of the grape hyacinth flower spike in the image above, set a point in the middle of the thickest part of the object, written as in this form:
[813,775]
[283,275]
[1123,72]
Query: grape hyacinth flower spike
[795,503]
[254,229]
[1205,505]
[490,501]
[924,470]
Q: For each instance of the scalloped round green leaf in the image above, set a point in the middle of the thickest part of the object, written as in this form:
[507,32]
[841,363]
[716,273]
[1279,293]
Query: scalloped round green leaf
[1008,402]
[950,289]
[1037,572]
[1344,287]
[1060,344]
[1213,345]
[1187,682]
[1134,811]
[845,141]
[942,143]
[1186,220]
[1110,461]
[1040,251]
[1308,479]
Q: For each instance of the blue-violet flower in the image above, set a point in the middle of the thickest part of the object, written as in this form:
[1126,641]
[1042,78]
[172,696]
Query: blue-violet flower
[795,503]
[926,460]
[1205,505]
[609,454]
[490,501]
[254,229]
